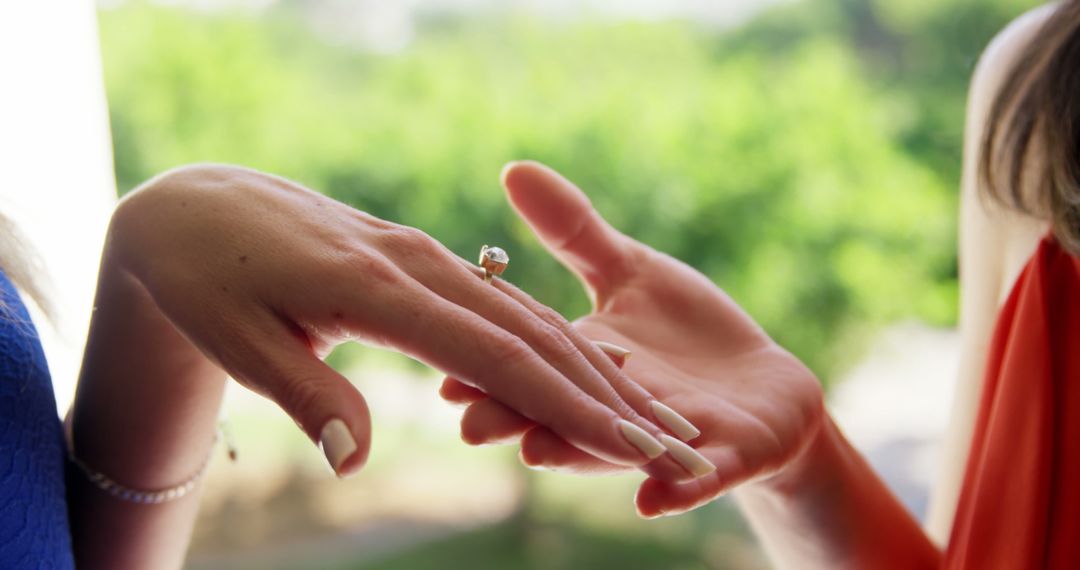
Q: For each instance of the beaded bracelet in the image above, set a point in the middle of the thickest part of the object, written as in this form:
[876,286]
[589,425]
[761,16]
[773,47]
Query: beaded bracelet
[124,493]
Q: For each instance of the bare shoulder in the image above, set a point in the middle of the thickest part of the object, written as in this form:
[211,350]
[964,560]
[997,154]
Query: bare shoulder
[1002,52]
[1008,237]
[995,244]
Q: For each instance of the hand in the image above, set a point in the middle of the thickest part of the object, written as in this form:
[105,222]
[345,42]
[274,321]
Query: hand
[264,277]
[756,405]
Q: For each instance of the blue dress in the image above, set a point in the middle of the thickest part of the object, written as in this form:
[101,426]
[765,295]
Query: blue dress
[34,530]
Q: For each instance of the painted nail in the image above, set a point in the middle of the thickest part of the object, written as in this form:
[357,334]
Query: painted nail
[641,439]
[619,354]
[687,456]
[337,444]
[674,421]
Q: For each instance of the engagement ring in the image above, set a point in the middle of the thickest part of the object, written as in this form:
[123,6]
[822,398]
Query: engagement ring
[494,261]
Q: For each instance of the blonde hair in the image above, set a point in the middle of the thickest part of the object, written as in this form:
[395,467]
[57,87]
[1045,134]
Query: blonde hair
[22,266]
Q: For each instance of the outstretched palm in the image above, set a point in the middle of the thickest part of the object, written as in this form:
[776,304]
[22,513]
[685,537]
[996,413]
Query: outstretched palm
[693,348]
[700,354]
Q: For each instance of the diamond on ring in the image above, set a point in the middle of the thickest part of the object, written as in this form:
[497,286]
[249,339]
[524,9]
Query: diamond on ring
[494,261]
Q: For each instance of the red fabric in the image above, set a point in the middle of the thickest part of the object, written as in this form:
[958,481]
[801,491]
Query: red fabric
[1020,504]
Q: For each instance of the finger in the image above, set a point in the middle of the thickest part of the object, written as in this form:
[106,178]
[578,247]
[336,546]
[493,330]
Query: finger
[563,218]
[551,338]
[665,498]
[464,345]
[542,448]
[665,415]
[326,406]
[489,422]
[617,389]
[681,462]
[616,353]
[565,221]
[456,392]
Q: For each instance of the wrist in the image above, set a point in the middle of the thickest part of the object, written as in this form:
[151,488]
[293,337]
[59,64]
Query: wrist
[809,467]
[147,399]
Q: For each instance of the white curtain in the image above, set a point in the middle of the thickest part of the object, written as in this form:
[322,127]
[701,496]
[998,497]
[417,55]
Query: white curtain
[56,175]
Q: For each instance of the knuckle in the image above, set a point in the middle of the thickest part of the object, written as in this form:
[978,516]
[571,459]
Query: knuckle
[373,268]
[296,395]
[508,348]
[551,316]
[405,239]
[555,342]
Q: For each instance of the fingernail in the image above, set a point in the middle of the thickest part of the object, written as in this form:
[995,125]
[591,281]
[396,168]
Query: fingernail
[619,354]
[674,421]
[641,439]
[687,456]
[337,444]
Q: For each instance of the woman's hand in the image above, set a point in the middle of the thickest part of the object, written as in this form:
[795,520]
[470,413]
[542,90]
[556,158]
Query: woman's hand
[756,405]
[264,277]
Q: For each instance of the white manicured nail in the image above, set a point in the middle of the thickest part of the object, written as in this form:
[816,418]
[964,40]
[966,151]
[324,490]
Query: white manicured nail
[641,439]
[336,443]
[687,456]
[674,421]
[618,353]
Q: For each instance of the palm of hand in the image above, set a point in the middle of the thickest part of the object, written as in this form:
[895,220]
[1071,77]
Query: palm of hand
[698,352]
[693,348]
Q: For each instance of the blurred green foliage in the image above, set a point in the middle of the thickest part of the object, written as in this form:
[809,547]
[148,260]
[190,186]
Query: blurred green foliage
[807,161]
[520,544]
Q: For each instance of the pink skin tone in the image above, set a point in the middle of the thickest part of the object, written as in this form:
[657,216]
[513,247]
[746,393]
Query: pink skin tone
[694,348]
[214,269]
[811,498]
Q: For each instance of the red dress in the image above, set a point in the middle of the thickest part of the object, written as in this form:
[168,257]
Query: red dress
[1020,503]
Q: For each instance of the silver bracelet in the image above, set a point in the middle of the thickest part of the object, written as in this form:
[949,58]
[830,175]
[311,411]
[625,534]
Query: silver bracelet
[124,493]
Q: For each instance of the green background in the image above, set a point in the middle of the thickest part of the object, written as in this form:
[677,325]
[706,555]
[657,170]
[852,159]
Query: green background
[807,160]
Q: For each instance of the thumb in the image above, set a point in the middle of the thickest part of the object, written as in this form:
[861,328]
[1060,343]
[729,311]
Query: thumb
[323,403]
[562,216]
